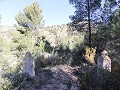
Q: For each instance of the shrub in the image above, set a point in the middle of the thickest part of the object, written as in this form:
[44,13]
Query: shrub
[109,81]
[90,54]
[16,81]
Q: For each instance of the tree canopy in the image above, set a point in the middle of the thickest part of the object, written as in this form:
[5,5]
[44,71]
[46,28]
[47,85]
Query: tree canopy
[100,10]
[31,18]
[83,7]
[93,11]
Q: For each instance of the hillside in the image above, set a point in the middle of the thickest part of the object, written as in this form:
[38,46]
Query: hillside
[59,59]
[52,41]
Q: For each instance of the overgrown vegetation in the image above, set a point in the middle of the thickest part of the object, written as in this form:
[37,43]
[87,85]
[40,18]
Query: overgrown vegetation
[59,44]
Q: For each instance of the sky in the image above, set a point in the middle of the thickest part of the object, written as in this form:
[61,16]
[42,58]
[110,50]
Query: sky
[55,12]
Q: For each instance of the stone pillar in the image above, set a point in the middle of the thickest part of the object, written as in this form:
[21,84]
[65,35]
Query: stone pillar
[103,66]
[103,61]
[28,64]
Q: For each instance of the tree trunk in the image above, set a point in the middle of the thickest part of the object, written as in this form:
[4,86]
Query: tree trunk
[89,23]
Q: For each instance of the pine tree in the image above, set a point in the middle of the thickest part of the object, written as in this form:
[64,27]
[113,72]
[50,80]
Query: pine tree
[107,9]
[93,11]
[114,26]
[85,9]
[30,19]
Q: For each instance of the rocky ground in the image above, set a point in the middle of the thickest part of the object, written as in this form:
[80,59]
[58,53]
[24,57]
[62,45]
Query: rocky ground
[60,77]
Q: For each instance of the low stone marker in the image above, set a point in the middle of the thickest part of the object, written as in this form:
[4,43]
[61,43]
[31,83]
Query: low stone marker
[103,61]
[103,66]
[28,64]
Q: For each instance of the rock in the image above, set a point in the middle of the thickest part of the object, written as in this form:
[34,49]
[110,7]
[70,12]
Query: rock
[28,64]
[74,87]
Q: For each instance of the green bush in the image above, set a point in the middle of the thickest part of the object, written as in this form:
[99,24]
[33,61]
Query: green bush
[109,81]
[15,81]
